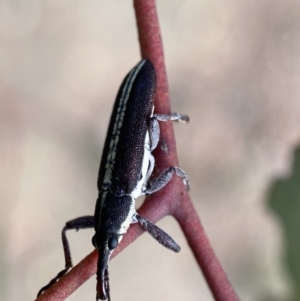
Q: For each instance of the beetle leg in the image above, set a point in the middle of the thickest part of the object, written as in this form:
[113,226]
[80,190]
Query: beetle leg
[158,234]
[173,116]
[83,222]
[154,132]
[165,177]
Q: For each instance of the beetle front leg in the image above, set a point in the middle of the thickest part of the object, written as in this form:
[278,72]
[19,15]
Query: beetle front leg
[83,222]
[158,234]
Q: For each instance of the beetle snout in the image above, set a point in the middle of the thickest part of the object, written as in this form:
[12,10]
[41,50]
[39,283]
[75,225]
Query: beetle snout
[103,286]
[101,291]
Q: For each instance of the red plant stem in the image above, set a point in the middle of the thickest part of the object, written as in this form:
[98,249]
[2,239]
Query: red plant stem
[193,230]
[173,199]
[181,208]
[152,48]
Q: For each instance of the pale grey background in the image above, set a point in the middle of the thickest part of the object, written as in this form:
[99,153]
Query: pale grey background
[233,66]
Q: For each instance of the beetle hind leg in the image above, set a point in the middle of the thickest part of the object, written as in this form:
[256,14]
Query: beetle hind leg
[173,117]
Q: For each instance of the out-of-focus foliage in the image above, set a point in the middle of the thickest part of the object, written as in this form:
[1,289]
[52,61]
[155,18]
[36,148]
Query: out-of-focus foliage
[285,201]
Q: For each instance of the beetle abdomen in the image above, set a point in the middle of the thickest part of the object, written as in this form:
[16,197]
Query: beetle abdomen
[124,146]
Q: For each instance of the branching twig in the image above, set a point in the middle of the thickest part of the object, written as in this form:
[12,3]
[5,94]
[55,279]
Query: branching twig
[173,199]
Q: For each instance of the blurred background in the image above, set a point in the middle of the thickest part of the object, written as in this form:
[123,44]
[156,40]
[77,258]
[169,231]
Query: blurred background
[233,67]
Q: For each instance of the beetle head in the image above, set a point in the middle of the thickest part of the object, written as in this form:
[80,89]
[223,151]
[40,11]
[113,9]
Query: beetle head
[114,216]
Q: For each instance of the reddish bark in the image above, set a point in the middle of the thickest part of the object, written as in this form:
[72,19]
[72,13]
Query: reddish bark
[172,199]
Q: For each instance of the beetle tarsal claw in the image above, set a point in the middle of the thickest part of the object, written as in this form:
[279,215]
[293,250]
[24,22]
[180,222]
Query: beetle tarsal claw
[54,280]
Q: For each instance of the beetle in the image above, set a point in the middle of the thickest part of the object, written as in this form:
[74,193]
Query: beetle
[124,173]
